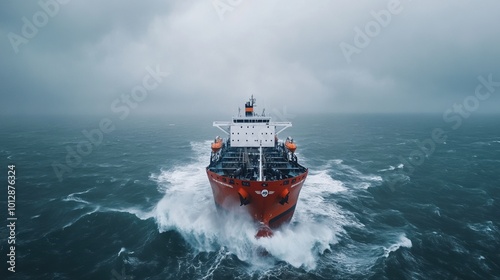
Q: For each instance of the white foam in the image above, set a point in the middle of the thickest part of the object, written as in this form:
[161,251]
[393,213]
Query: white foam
[337,161]
[139,213]
[73,197]
[300,245]
[372,178]
[390,168]
[402,242]
[320,182]
[96,209]
[76,199]
[437,212]
[485,227]
[107,165]
[121,251]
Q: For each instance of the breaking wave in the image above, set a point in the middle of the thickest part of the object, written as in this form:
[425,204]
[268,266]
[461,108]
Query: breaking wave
[188,208]
[402,242]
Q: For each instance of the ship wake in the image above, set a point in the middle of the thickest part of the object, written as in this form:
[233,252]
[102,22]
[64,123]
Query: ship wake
[188,208]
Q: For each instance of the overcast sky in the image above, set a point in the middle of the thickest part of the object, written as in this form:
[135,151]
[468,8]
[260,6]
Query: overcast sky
[84,55]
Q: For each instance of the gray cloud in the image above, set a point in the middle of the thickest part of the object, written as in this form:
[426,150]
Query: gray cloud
[284,52]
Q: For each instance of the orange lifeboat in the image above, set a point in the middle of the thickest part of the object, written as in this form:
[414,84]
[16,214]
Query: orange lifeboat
[290,145]
[244,197]
[284,196]
[217,144]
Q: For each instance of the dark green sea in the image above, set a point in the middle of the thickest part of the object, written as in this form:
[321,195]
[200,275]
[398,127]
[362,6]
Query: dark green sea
[383,200]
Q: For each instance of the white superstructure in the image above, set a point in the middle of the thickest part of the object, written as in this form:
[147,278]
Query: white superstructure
[252,130]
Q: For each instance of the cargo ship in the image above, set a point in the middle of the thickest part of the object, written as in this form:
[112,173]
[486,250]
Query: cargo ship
[252,169]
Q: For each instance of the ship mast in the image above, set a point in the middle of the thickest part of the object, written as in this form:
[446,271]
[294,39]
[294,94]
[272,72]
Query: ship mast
[260,161]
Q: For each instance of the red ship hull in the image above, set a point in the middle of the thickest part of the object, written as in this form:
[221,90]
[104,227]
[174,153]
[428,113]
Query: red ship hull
[271,203]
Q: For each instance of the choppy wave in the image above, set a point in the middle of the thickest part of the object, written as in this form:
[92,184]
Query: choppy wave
[359,179]
[403,241]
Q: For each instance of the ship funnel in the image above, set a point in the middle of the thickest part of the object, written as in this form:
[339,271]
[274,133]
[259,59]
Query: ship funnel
[249,107]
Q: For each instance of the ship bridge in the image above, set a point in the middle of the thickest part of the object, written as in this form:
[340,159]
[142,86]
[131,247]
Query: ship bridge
[252,130]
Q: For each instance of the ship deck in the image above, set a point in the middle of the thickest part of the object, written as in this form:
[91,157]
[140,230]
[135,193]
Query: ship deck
[243,163]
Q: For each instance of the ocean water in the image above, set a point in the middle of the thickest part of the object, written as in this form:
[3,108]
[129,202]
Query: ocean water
[139,205]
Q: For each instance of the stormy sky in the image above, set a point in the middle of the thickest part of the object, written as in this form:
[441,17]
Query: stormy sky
[81,57]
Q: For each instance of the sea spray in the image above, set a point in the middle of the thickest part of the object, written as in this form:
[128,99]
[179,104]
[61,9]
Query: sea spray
[188,208]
